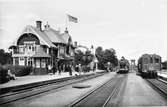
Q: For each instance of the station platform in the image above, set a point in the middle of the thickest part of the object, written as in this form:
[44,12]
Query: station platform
[163,73]
[39,78]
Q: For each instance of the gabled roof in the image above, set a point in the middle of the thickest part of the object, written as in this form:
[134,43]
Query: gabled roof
[54,35]
[47,36]
[44,36]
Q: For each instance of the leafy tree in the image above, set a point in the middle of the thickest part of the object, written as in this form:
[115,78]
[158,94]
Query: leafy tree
[83,58]
[88,57]
[78,57]
[5,57]
[105,56]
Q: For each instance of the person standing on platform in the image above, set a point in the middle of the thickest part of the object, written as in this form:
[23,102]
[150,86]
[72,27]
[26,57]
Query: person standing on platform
[94,67]
[50,69]
[69,67]
[59,68]
[76,68]
[54,69]
[10,76]
[79,69]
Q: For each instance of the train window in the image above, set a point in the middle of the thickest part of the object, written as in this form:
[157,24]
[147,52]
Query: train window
[145,60]
[156,60]
[151,60]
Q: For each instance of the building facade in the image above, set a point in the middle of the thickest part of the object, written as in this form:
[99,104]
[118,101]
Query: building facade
[41,48]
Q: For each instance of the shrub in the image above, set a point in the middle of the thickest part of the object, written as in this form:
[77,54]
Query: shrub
[86,68]
[21,70]
[101,66]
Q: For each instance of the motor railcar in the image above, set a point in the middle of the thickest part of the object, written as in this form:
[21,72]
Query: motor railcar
[148,65]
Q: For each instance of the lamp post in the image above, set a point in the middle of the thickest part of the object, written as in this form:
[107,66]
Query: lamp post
[96,61]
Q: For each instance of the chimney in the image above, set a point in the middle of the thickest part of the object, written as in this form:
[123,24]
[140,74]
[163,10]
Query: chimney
[39,25]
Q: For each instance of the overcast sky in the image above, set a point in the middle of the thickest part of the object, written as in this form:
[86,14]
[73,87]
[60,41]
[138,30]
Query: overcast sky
[131,27]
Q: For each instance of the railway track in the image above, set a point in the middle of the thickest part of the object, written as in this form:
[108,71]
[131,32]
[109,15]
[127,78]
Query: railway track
[102,96]
[30,91]
[159,85]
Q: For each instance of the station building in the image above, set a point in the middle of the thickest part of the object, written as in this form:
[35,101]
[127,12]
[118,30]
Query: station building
[41,48]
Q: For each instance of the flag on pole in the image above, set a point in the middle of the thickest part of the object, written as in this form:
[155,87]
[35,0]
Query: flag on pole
[72,19]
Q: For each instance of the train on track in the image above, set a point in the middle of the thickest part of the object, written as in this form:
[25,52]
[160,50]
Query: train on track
[148,65]
[123,66]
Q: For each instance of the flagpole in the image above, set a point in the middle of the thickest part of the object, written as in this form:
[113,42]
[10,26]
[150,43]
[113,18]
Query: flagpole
[66,21]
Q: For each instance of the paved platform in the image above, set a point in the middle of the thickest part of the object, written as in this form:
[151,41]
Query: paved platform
[39,78]
[138,93]
[63,96]
[163,73]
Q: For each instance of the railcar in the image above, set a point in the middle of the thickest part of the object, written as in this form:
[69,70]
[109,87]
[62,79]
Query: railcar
[148,65]
[123,66]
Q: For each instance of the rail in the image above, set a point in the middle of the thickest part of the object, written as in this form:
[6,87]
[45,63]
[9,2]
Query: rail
[41,89]
[159,85]
[101,96]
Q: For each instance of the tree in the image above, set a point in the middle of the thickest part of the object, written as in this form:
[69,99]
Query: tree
[105,56]
[5,57]
[88,57]
[78,56]
[83,58]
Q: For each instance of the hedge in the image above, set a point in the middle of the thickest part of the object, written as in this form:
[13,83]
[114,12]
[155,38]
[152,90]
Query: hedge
[17,70]
[21,70]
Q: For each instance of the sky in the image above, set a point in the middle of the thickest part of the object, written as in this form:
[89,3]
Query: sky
[131,27]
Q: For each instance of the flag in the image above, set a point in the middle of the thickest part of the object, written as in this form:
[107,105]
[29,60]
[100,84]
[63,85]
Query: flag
[72,19]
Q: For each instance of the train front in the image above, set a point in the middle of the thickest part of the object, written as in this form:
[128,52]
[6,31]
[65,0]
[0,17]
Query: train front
[123,66]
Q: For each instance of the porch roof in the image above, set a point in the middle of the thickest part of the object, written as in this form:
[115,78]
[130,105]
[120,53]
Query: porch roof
[41,54]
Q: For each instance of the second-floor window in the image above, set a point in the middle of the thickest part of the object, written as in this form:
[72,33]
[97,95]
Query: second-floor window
[61,50]
[21,49]
[30,46]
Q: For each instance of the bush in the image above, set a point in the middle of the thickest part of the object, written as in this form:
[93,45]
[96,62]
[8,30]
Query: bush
[86,68]
[101,66]
[21,70]
[3,75]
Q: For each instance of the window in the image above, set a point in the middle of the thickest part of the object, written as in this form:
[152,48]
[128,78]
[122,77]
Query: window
[29,61]
[21,49]
[151,60]
[21,61]
[21,58]
[68,50]
[145,60]
[29,46]
[43,63]
[16,61]
[38,63]
[157,60]
[61,50]
[33,48]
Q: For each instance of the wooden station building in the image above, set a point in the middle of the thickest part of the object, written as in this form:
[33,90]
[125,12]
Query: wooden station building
[41,48]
